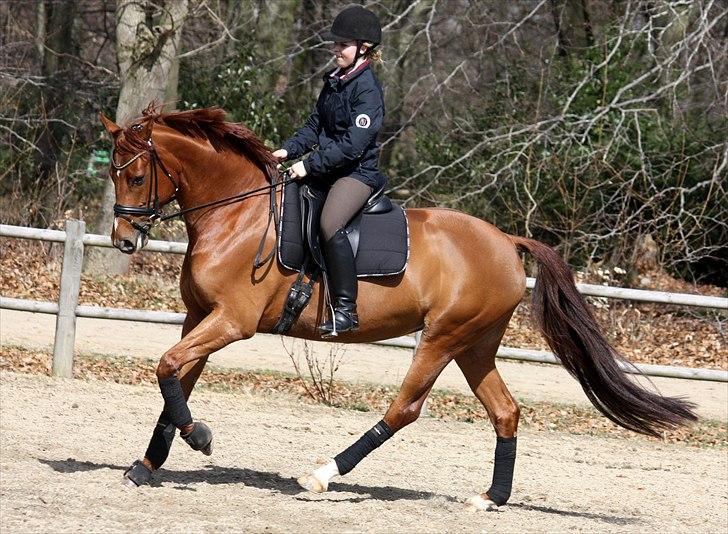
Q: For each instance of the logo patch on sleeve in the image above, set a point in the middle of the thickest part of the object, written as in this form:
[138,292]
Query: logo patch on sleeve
[363,121]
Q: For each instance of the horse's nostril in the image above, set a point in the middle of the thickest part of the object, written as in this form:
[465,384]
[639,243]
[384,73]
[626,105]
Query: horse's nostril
[126,246]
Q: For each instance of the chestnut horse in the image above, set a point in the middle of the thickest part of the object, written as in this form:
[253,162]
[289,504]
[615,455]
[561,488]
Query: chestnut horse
[463,282]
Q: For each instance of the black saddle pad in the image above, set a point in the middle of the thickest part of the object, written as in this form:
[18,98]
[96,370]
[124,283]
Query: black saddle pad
[383,241]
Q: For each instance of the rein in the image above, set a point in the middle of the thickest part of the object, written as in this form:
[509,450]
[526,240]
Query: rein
[153,209]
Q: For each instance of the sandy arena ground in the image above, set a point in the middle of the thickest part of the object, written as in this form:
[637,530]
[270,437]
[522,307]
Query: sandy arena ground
[65,444]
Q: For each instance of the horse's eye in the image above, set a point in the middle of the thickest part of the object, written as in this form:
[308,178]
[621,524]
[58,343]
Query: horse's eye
[137,180]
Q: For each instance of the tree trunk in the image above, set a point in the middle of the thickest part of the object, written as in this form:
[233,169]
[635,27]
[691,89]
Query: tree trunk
[393,150]
[147,43]
[58,47]
[587,25]
[170,93]
[40,29]
[561,39]
[309,14]
[146,53]
[5,25]
[232,16]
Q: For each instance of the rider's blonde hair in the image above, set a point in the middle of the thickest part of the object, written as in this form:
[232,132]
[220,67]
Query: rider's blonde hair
[375,56]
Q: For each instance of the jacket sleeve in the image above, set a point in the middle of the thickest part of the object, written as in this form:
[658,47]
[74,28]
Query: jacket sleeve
[367,113]
[305,138]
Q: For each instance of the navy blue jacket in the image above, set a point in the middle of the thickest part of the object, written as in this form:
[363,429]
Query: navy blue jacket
[344,125]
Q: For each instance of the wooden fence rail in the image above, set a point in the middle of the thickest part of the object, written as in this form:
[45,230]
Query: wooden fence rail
[67,309]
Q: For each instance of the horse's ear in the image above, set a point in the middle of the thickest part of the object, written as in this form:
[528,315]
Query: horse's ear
[111,127]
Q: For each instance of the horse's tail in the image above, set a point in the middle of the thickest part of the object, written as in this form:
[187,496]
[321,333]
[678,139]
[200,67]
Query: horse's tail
[574,336]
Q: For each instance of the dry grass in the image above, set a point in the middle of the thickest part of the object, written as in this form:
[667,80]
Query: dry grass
[441,404]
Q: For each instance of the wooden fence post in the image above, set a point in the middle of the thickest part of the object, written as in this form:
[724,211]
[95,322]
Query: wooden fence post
[68,299]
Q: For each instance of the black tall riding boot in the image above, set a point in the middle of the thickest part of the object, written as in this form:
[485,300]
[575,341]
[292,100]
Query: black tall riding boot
[341,265]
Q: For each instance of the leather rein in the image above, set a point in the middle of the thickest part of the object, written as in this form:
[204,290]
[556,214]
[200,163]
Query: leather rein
[152,211]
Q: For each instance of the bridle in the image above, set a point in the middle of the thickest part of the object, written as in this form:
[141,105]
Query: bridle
[153,208]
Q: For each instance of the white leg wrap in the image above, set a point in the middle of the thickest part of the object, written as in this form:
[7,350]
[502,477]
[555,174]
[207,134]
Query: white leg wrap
[318,481]
[478,503]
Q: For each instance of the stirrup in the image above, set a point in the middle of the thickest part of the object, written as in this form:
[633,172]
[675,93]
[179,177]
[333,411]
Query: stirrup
[343,321]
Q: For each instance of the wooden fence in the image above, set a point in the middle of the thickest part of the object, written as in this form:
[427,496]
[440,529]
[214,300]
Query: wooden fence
[67,308]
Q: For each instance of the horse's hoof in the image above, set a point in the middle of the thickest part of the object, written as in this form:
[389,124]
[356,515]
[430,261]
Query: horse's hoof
[129,483]
[200,439]
[137,475]
[311,483]
[480,504]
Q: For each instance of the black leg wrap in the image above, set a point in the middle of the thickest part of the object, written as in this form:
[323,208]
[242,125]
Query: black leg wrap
[161,441]
[505,459]
[138,473]
[175,405]
[373,438]
[200,437]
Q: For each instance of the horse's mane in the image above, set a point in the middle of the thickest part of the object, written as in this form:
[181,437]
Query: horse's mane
[208,124]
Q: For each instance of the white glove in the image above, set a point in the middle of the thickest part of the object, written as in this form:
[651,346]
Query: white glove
[298,170]
[281,154]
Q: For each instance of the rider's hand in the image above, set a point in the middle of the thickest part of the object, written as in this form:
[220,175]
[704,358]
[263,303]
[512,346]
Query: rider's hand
[281,154]
[298,170]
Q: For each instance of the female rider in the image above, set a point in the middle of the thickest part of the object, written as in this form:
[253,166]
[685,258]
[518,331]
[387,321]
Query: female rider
[344,125]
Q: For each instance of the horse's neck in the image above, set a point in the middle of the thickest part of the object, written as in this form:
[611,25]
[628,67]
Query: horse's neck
[209,176]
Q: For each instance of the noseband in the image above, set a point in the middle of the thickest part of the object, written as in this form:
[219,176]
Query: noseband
[152,210]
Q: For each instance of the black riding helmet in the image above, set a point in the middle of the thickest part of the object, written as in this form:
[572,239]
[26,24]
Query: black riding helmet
[355,23]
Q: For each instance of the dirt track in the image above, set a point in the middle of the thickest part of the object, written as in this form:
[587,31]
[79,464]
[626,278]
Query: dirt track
[61,462]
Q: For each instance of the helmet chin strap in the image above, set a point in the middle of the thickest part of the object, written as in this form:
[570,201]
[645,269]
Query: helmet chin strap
[359,54]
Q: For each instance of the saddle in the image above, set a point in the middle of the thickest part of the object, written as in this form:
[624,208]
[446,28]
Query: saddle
[378,234]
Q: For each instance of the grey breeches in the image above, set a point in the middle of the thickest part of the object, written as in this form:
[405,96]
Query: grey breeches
[345,199]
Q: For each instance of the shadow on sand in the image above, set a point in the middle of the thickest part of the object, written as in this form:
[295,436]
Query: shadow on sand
[213,474]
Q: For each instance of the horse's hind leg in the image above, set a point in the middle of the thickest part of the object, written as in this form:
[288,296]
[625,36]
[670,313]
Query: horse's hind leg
[479,369]
[429,361]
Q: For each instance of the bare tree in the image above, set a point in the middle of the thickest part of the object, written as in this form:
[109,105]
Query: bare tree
[148,38]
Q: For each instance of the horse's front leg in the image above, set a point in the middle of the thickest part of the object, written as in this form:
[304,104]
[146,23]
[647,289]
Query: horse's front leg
[164,432]
[177,373]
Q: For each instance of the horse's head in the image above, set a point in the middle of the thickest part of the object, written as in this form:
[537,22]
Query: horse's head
[142,183]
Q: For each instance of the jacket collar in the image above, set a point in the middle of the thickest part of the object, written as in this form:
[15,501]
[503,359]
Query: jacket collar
[333,77]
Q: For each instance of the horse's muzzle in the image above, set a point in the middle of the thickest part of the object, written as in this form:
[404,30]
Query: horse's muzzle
[127,238]
[125,245]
